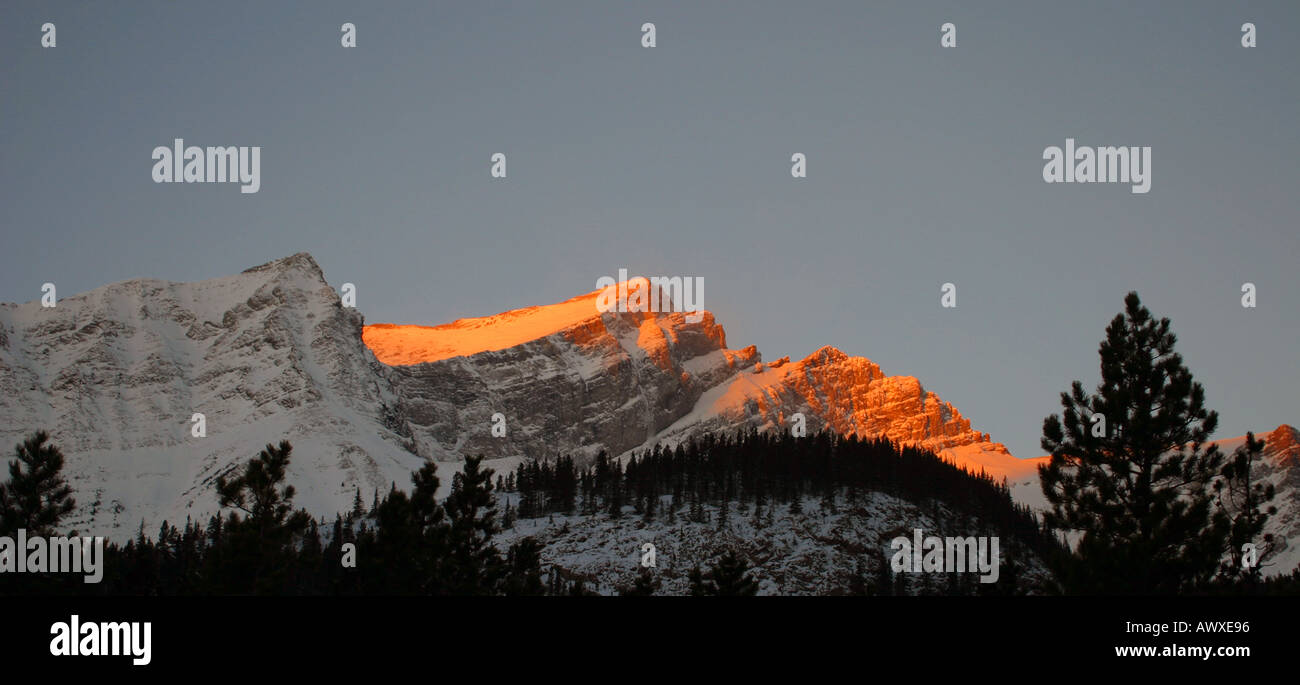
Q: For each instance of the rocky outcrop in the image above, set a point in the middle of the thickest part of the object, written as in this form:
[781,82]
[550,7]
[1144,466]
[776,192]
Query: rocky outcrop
[849,396]
[608,383]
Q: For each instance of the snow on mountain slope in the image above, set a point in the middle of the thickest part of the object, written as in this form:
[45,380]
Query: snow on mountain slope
[816,552]
[115,374]
[850,396]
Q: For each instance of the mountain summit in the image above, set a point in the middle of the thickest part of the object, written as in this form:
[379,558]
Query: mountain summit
[577,379]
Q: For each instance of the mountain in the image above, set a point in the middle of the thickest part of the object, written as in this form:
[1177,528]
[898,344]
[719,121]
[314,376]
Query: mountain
[563,377]
[568,377]
[117,373]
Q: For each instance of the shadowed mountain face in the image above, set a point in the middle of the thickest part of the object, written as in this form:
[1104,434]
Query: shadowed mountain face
[117,375]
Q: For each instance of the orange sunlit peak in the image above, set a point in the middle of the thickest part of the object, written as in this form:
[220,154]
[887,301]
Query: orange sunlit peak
[405,344]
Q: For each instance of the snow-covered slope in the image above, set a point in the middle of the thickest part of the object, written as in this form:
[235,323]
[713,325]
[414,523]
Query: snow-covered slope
[816,552]
[117,373]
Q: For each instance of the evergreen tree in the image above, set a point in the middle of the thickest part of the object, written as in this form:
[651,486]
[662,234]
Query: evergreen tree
[430,519]
[36,497]
[698,586]
[397,542]
[524,564]
[1128,469]
[730,578]
[474,566]
[697,510]
[358,509]
[508,517]
[261,544]
[1245,502]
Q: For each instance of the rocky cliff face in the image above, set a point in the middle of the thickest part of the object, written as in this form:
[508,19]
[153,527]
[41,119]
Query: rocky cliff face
[116,375]
[850,396]
[569,378]
[607,382]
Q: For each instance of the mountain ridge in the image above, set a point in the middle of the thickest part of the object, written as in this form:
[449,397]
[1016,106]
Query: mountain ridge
[116,373]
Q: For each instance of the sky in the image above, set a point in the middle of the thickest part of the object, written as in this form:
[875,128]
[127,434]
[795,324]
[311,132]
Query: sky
[924,167]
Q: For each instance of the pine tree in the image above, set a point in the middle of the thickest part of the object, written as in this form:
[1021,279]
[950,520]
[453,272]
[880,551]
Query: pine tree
[698,585]
[508,517]
[358,509]
[36,497]
[1128,470]
[697,510]
[730,577]
[524,569]
[261,543]
[474,565]
[1245,502]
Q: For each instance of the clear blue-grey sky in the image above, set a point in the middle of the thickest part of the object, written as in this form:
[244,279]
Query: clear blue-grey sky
[924,167]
